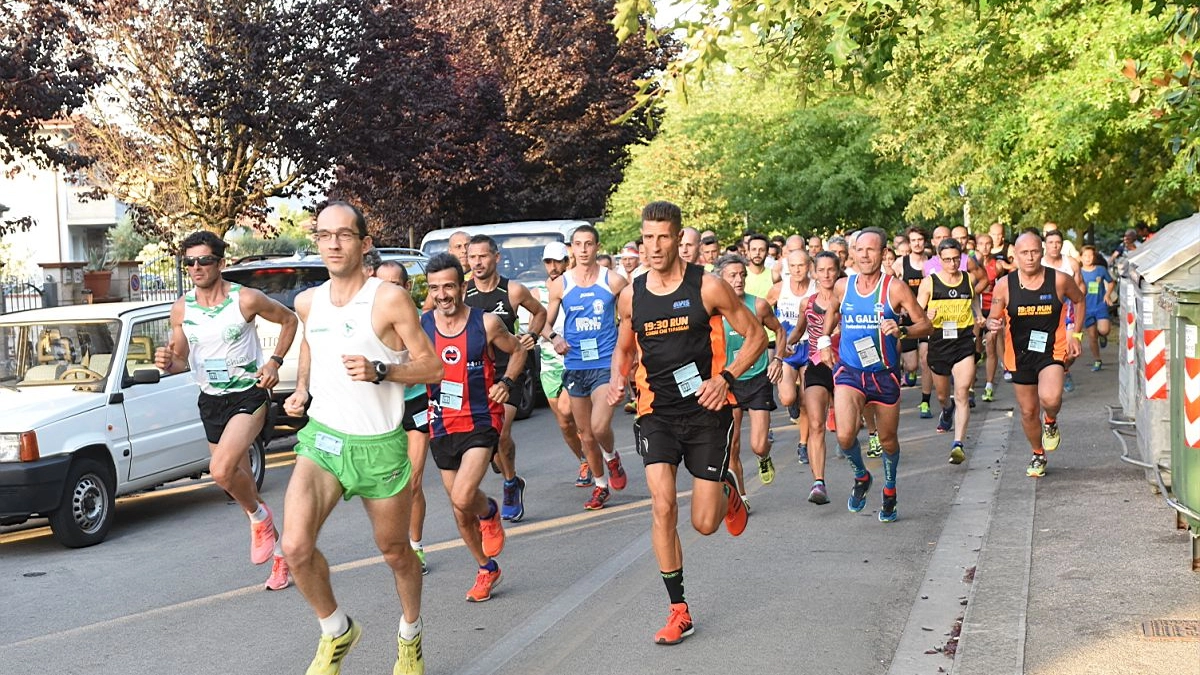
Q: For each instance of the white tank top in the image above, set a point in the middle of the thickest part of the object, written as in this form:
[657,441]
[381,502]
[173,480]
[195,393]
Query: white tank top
[223,348]
[789,305]
[350,406]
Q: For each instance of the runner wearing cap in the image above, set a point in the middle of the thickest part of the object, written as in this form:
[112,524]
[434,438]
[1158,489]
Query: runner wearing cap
[557,259]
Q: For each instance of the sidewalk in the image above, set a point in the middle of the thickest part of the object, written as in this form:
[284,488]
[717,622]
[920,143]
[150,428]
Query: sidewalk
[1075,562]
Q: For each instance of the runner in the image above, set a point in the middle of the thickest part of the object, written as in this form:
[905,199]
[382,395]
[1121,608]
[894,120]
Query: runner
[1055,258]
[788,298]
[995,267]
[416,427]
[671,317]
[914,352]
[865,306]
[818,377]
[1029,302]
[948,298]
[498,295]
[557,259]
[710,250]
[753,390]
[586,294]
[361,346]
[1101,295]
[689,245]
[213,333]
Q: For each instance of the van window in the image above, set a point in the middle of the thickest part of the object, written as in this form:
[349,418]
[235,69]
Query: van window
[520,254]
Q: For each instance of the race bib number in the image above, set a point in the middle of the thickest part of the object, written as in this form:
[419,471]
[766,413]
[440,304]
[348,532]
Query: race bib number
[215,370]
[1037,341]
[868,354]
[421,418]
[451,395]
[687,379]
[1094,287]
[327,443]
[589,350]
[949,330]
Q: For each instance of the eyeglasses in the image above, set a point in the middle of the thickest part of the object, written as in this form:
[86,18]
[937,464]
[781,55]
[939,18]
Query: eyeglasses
[952,259]
[343,236]
[201,260]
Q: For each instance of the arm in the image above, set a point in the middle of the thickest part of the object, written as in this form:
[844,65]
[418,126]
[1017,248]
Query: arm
[255,303]
[500,338]
[622,358]
[558,342]
[719,298]
[833,317]
[800,331]
[995,319]
[901,296]
[176,351]
[294,405]
[520,296]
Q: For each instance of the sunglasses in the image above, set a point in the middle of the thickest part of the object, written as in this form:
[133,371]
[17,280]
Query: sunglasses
[202,260]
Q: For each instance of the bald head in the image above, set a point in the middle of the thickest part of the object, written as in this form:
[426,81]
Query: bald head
[689,244]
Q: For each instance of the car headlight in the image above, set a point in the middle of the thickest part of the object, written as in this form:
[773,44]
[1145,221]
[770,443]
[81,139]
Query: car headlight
[19,447]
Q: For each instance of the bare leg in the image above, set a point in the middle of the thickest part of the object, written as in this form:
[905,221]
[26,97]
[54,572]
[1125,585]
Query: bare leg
[311,495]
[388,518]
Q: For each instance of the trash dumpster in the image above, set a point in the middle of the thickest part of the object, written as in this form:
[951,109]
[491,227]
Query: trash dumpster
[1172,256]
[1184,304]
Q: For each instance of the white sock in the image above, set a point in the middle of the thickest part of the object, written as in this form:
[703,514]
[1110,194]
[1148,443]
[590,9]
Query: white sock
[408,630]
[608,456]
[335,624]
[601,482]
[278,548]
[988,386]
[416,544]
[260,514]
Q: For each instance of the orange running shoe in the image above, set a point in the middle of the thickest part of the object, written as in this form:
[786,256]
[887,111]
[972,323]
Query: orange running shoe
[485,581]
[262,538]
[829,423]
[493,532]
[679,625]
[616,473]
[735,511]
[279,575]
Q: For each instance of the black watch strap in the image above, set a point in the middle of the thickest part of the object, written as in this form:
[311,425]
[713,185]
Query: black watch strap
[381,371]
[729,378]
[277,359]
[508,382]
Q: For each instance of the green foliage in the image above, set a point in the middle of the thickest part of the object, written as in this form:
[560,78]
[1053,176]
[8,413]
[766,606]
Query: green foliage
[99,259]
[124,241]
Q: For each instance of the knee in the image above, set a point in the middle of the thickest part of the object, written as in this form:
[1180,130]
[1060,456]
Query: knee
[666,514]
[705,525]
[297,550]
[400,557]
[463,504]
[222,472]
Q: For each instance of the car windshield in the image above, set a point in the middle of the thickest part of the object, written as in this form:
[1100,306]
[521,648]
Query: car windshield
[56,353]
[281,283]
[520,254]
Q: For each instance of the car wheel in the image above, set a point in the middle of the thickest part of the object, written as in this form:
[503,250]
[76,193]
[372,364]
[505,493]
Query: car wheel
[86,511]
[258,462]
[530,385]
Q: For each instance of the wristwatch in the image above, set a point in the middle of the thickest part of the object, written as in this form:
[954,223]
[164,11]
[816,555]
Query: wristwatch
[277,359]
[903,332]
[381,371]
[508,382]
[729,378]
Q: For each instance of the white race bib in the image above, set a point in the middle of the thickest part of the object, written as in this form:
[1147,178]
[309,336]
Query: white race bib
[327,443]
[215,370]
[868,355]
[589,350]
[1037,341]
[687,379]
[421,418]
[451,395]
[949,330]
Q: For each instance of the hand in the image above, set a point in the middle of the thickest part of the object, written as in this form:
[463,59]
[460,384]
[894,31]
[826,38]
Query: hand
[268,376]
[527,340]
[931,313]
[163,357]
[713,393]
[560,345]
[827,356]
[889,327]
[616,392]
[774,370]
[994,325]
[498,392]
[294,405]
[358,367]
[1074,347]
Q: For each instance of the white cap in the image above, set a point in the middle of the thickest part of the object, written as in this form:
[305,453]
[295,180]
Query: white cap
[555,250]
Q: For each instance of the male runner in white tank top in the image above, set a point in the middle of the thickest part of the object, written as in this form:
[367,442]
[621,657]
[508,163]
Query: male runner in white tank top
[362,345]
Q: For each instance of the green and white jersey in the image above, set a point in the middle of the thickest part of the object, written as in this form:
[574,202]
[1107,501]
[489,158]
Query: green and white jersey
[224,352]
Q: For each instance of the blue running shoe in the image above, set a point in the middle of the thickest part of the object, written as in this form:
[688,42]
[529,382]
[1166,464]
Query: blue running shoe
[858,494]
[946,420]
[887,512]
[1068,383]
[514,500]
[802,453]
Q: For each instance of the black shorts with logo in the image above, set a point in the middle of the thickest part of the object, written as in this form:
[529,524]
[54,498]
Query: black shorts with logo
[216,411]
[943,354]
[1030,365]
[448,450]
[701,440]
[756,393]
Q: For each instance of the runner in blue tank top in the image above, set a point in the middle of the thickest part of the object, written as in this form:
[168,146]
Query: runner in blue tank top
[865,306]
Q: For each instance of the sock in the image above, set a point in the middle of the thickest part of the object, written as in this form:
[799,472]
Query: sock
[260,514]
[601,481]
[890,461]
[989,386]
[674,583]
[408,630]
[510,482]
[335,624]
[1050,420]
[278,548]
[1039,451]
[854,453]
[608,456]
[491,510]
[490,565]
[925,398]
[818,481]
[416,544]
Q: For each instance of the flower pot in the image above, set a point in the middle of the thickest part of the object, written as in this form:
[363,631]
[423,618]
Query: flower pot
[98,283]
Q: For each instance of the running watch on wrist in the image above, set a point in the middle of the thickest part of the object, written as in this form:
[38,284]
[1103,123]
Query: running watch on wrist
[277,359]
[508,382]
[729,378]
[381,371]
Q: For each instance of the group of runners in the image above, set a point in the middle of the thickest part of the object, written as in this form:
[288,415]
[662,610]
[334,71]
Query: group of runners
[693,339]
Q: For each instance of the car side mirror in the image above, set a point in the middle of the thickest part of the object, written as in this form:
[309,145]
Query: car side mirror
[146,376]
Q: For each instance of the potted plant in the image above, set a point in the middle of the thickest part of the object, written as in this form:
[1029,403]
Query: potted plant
[97,272]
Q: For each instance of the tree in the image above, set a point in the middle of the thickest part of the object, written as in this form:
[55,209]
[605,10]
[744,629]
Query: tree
[214,106]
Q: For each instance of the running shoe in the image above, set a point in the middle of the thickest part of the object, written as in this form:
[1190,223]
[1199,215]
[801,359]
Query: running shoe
[770,436]
[332,650]
[957,455]
[1068,383]
[617,479]
[409,659]
[874,445]
[263,538]
[421,556]
[910,379]
[1050,436]
[746,503]
[818,494]
[830,424]
[279,579]
[735,509]
[946,419]
[766,470]
[923,411]
[493,532]
[802,453]
[887,509]
[1103,341]
[599,496]
[585,476]
[1096,366]
[858,494]
[485,582]
[989,394]
[1037,467]
[1007,376]
[971,398]
[793,412]
[630,407]
[514,500]
[679,625]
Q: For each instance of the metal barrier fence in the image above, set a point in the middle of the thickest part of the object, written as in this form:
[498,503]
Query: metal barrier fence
[159,280]
[17,294]
[163,279]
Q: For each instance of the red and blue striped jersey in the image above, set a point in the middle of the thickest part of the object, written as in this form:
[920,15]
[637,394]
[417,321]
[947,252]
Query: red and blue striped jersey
[460,403]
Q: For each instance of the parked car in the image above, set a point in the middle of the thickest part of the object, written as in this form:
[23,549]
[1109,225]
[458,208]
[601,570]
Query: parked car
[283,277]
[86,417]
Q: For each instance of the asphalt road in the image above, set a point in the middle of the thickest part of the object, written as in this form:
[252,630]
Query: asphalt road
[806,589]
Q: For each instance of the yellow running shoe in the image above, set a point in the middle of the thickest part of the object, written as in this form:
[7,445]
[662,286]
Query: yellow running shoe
[766,470]
[409,660]
[332,650]
[1050,436]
